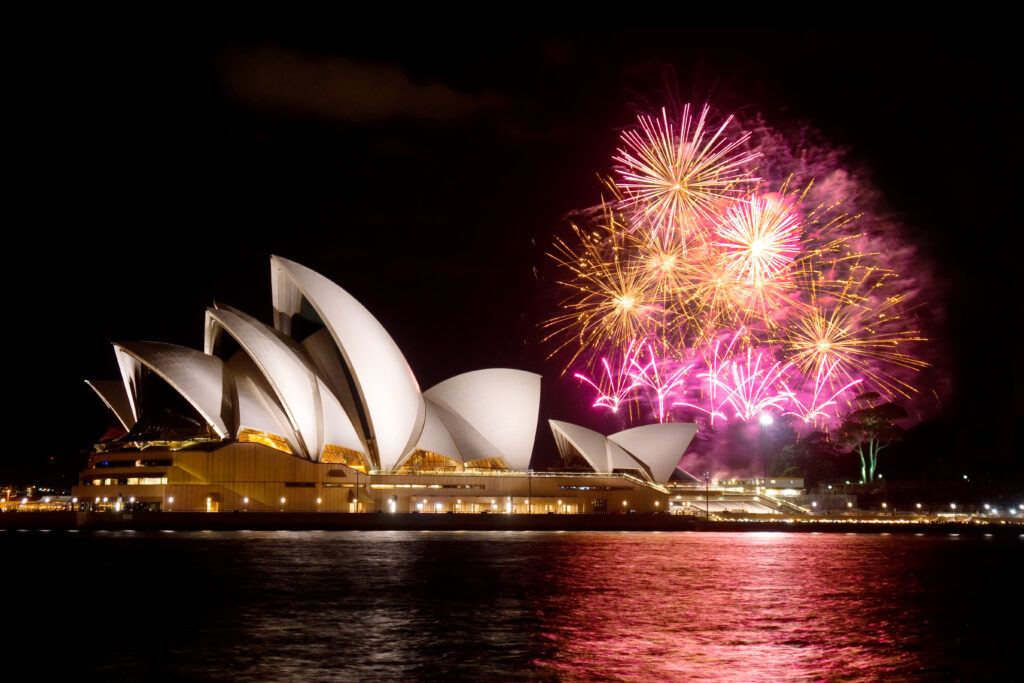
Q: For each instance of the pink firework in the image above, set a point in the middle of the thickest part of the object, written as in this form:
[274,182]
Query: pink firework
[660,377]
[615,386]
[814,409]
[717,368]
[742,295]
[759,238]
[678,181]
[751,387]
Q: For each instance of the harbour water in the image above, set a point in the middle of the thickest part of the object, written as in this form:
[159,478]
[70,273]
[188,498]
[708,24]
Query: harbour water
[415,605]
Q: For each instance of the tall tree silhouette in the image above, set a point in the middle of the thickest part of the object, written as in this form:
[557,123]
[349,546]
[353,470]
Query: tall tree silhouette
[870,429]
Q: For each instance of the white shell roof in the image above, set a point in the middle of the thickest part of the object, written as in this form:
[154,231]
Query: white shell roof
[470,442]
[292,377]
[113,394]
[603,455]
[386,386]
[131,376]
[661,446]
[587,442]
[258,408]
[204,381]
[346,385]
[619,459]
[501,405]
[289,379]
[435,437]
[337,429]
[325,356]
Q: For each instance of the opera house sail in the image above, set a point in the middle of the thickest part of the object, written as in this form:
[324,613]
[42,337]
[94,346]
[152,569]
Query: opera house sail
[321,412]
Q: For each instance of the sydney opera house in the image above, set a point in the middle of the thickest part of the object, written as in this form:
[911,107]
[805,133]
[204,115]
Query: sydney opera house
[321,412]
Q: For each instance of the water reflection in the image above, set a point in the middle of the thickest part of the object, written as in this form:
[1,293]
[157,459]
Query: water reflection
[735,607]
[547,606]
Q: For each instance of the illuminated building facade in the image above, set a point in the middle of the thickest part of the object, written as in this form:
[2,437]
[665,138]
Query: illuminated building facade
[321,411]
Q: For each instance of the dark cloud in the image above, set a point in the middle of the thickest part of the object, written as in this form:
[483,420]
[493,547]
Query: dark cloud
[336,88]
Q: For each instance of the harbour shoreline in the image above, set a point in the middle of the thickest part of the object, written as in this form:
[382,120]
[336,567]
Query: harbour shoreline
[325,521]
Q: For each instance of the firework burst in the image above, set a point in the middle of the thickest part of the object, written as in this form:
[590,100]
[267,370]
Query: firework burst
[610,297]
[758,297]
[854,341]
[758,239]
[664,266]
[678,181]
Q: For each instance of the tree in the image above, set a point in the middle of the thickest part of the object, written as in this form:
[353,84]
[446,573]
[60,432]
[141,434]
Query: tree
[813,457]
[870,429]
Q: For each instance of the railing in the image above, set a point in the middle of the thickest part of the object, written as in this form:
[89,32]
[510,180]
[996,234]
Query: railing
[697,510]
[513,473]
[781,504]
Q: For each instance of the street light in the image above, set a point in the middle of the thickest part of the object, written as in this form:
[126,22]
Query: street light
[707,495]
[766,420]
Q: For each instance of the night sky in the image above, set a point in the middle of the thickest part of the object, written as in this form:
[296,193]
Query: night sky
[428,174]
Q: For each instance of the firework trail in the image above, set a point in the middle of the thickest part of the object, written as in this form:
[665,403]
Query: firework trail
[614,388]
[750,386]
[814,408]
[658,376]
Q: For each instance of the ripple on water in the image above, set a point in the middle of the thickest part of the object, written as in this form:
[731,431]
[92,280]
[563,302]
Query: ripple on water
[575,606]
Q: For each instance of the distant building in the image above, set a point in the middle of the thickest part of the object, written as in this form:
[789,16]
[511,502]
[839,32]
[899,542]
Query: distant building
[36,503]
[322,412]
[773,486]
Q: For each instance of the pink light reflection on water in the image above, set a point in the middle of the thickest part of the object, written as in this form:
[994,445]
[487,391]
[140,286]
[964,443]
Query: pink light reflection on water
[757,607]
